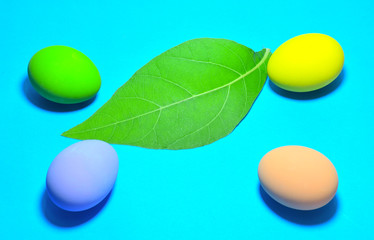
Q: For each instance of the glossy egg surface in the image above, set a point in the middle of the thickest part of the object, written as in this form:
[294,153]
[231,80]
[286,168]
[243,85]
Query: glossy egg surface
[298,177]
[64,75]
[305,63]
[82,175]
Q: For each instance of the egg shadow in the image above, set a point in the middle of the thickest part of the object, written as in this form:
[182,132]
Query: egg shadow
[36,99]
[313,94]
[311,217]
[66,219]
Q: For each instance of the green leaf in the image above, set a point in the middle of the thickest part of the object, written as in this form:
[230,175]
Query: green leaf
[187,97]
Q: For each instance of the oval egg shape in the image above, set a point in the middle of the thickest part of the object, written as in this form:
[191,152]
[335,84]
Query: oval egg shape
[82,175]
[306,63]
[64,75]
[298,177]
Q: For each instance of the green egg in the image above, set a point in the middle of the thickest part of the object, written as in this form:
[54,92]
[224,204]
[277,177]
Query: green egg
[64,75]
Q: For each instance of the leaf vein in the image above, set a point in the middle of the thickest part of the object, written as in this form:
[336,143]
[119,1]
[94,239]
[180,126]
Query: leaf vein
[214,118]
[205,62]
[239,57]
[166,80]
[143,99]
[153,129]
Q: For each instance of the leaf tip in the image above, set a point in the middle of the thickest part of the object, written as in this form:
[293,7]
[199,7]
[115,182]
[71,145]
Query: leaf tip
[67,134]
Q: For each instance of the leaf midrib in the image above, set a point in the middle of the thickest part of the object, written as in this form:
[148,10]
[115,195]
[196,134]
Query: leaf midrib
[187,99]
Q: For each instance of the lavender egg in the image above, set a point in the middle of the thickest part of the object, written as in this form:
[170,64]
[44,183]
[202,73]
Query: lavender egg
[82,175]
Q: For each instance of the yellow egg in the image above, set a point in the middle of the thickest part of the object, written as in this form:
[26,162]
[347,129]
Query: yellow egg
[298,177]
[306,62]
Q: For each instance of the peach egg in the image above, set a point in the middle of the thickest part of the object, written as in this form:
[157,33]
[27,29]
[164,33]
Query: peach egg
[298,177]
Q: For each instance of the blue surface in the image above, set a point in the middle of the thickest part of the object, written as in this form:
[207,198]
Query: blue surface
[205,193]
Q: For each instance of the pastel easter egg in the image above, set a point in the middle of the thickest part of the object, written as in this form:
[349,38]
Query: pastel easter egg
[305,63]
[82,175]
[64,75]
[298,177]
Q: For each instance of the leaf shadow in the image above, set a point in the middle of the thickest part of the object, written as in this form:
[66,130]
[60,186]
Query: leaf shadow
[308,218]
[313,94]
[66,219]
[36,99]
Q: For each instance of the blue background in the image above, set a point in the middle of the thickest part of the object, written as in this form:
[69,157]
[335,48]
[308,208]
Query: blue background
[210,192]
